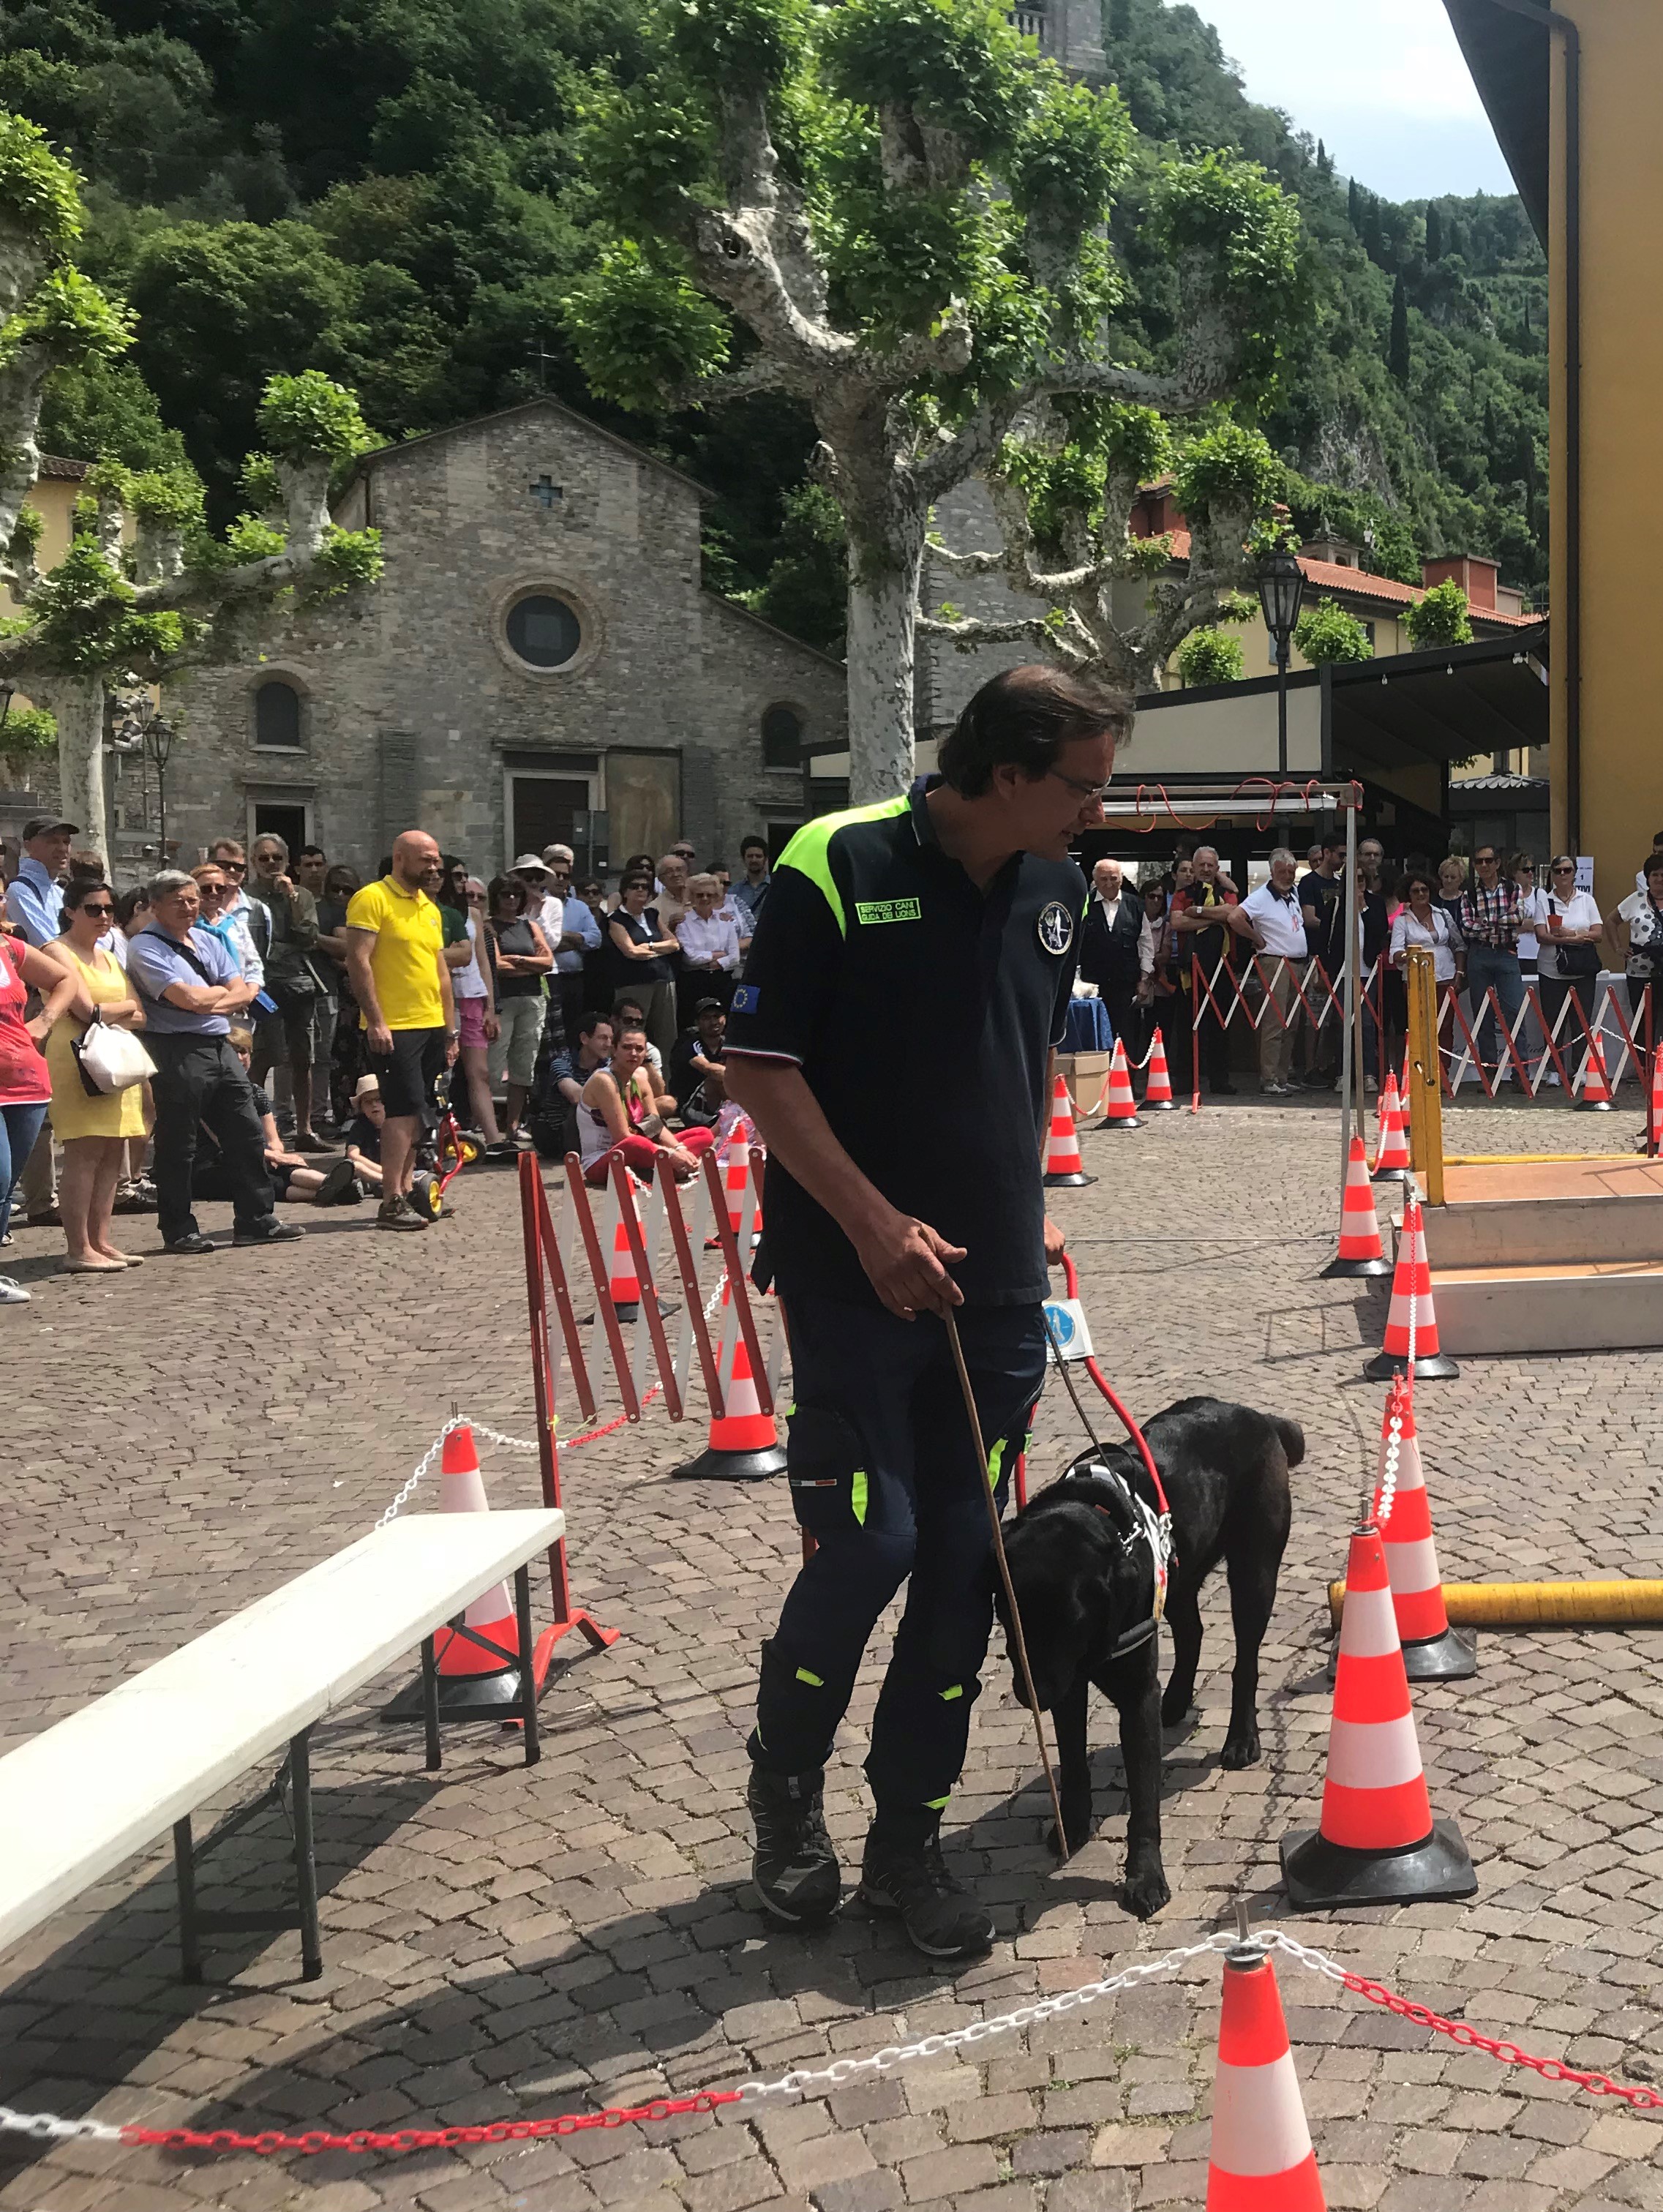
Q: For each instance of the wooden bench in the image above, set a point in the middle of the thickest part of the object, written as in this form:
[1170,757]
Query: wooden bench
[79,1799]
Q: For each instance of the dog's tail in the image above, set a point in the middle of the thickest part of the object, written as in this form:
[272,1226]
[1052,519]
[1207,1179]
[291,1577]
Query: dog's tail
[1292,1437]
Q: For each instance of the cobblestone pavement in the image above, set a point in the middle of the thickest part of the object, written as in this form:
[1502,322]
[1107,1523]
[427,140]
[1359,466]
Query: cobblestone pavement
[500,1943]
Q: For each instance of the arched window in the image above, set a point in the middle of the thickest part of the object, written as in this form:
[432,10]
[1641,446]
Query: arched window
[782,737]
[277,715]
[542,631]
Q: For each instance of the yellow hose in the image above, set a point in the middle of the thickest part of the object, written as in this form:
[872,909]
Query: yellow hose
[1628,1604]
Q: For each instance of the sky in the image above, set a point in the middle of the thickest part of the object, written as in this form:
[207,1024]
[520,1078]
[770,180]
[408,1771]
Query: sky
[1382,82]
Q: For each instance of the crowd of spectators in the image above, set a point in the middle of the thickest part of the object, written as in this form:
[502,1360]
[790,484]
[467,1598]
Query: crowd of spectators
[303,1030]
[1496,927]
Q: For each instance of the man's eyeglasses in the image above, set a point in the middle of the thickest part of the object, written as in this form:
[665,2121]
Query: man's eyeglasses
[1570,870]
[1098,792]
[1484,859]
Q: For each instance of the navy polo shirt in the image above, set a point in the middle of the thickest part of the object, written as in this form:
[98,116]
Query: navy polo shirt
[921,1011]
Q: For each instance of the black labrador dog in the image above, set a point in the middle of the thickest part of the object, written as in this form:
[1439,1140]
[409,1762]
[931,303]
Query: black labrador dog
[1082,1570]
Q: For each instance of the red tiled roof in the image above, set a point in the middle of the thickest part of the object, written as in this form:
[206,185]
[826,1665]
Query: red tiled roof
[54,464]
[1333,576]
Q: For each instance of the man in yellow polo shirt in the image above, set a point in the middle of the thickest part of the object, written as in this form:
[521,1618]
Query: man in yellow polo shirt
[395,962]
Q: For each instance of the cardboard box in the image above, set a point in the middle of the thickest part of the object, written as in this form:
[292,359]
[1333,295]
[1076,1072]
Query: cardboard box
[1085,1074]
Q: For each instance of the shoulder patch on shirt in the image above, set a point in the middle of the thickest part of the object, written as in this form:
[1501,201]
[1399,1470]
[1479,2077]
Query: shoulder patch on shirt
[747,998]
[876,910]
[1056,927]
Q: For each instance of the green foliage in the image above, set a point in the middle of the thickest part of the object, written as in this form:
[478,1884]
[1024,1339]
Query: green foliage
[83,610]
[27,733]
[1439,619]
[1235,213]
[957,64]
[26,533]
[737,45]
[306,416]
[38,191]
[806,588]
[639,329]
[345,560]
[167,498]
[1210,656]
[259,479]
[250,539]
[1226,470]
[72,318]
[1326,632]
[101,406]
[1396,345]
[107,482]
[1070,159]
[645,146]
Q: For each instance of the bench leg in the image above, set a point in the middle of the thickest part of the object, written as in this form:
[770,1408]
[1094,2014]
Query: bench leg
[306,1863]
[527,1670]
[185,1868]
[430,1702]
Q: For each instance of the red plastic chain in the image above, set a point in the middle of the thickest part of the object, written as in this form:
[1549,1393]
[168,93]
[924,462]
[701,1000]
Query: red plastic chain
[568,2123]
[593,1435]
[1550,2070]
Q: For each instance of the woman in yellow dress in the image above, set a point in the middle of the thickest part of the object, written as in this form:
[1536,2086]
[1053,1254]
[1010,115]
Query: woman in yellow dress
[92,1131]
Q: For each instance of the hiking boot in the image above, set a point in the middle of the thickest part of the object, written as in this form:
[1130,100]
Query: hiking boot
[793,1866]
[941,1917]
[398,1213]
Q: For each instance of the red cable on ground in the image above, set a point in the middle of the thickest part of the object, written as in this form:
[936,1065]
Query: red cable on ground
[568,2123]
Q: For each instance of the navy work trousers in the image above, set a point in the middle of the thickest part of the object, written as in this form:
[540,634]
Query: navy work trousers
[883,1476]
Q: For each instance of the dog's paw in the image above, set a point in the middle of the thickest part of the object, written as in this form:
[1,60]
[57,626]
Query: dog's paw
[1175,1707]
[1241,1749]
[1146,1890]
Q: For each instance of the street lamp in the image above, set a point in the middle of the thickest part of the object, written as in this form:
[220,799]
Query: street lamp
[1281,588]
[145,730]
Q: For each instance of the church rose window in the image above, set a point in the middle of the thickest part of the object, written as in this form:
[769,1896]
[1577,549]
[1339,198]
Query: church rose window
[543,631]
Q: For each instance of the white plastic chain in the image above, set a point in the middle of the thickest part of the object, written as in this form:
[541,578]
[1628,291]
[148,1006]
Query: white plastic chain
[46,2127]
[424,1465]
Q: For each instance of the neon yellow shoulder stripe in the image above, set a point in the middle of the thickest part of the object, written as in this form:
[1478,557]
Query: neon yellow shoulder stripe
[810,850]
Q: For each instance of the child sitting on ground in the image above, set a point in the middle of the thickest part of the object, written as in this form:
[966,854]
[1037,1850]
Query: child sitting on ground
[364,1133]
[294,1181]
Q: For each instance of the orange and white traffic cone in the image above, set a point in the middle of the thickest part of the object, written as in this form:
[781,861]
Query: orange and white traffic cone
[1064,1168]
[478,1661]
[1377,1842]
[1360,1251]
[622,1284]
[1157,1094]
[744,1443]
[1412,1279]
[1596,1090]
[736,1176]
[1392,1160]
[1433,1651]
[1119,1107]
[1260,2159]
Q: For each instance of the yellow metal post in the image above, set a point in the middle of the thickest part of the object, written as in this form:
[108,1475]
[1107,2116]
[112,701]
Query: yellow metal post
[1420,1075]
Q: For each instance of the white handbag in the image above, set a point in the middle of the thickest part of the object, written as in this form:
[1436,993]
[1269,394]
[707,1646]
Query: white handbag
[110,1059]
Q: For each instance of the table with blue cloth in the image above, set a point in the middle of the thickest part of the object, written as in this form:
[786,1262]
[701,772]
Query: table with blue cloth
[1089,1028]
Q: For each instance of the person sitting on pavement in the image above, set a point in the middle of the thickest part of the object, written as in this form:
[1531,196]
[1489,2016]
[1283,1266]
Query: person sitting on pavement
[364,1132]
[569,1071]
[94,1131]
[189,986]
[294,1180]
[620,1117]
[695,1066]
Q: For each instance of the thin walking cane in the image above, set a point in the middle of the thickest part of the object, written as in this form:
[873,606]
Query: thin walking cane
[1017,1636]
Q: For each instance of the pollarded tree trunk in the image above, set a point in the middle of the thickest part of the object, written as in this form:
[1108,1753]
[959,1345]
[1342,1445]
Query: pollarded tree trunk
[78,703]
[883,616]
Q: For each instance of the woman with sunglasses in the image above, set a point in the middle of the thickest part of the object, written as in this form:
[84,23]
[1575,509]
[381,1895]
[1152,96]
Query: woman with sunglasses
[520,958]
[476,1006]
[94,1132]
[1568,931]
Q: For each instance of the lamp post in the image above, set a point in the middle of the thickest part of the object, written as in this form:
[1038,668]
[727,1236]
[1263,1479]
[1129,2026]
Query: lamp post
[144,729]
[1281,588]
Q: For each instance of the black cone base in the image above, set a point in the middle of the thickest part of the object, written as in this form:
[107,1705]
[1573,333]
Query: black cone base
[1317,1874]
[1351,1270]
[1451,1657]
[1067,1182]
[463,1698]
[1592,1106]
[1157,1105]
[712,1465]
[1392,1175]
[1130,1120]
[1440,1368]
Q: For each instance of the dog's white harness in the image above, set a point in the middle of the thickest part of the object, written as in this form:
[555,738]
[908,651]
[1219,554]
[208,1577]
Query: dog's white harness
[1150,1527]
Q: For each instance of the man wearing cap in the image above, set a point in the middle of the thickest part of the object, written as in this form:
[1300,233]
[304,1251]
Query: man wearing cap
[960,898]
[34,905]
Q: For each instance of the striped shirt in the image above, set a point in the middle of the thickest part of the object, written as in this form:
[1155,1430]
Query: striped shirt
[1492,917]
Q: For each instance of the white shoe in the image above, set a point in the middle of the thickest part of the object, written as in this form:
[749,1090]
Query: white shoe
[12,1293]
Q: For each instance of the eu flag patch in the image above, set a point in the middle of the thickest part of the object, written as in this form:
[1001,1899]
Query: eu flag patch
[746,998]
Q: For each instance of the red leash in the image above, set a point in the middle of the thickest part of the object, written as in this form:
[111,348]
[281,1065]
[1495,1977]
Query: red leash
[1072,1277]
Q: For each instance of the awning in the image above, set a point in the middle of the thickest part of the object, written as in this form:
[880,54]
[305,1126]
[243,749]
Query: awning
[1438,707]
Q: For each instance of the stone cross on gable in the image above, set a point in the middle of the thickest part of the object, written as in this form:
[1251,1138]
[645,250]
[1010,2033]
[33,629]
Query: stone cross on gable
[545,491]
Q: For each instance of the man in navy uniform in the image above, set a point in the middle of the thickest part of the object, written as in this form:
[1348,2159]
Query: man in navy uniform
[922,948]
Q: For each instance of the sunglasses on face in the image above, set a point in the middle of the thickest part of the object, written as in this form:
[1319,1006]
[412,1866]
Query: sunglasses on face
[235,867]
[86,906]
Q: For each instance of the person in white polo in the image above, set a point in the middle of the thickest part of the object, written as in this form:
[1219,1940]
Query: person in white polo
[1278,932]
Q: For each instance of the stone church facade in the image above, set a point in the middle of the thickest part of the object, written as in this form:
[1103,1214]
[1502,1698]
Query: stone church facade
[539,660]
